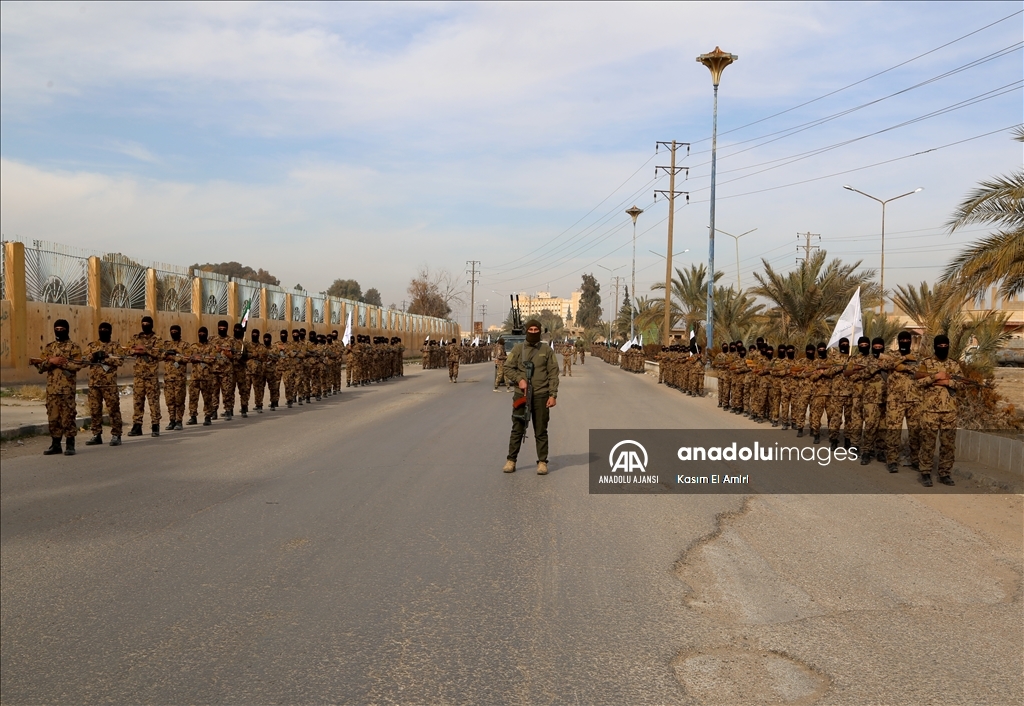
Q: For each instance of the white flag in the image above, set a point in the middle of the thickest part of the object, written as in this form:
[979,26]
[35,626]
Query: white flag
[625,346]
[488,339]
[348,330]
[850,324]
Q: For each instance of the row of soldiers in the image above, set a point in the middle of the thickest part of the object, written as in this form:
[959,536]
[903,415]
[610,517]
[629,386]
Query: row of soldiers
[453,353]
[309,366]
[681,368]
[867,396]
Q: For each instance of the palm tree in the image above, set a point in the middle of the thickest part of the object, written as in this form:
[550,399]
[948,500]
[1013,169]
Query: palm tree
[881,326]
[808,300]
[737,315]
[689,297]
[999,258]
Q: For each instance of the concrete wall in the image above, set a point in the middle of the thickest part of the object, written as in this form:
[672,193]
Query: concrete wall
[27,326]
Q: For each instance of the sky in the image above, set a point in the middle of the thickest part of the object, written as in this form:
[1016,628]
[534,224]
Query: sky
[368,141]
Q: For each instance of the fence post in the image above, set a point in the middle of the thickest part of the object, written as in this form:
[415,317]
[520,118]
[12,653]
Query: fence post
[197,300]
[95,289]
[233,313]
[14,261]
[151,303]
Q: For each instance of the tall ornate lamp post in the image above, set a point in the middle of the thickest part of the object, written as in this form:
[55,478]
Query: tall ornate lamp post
[633,213]
[716,62]
[881,306]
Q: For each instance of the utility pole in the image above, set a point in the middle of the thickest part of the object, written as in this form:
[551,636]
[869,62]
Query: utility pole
[483,317]
[617,305]
[472,290]
[807,247]
[671,193]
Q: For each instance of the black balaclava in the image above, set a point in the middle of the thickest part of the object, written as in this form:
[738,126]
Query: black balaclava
[904,339]
[844,346]
[61,330]
[175,333]
[533,338]
[296,335]
[239,331]
[284,335]
[222,328]
[302,334]
[790,352]
[255,335]
[732,347]
[204,335]
[147,325]
[941,346]
[312,340]
[267,339]
[725,347]
[741,350]
[321,339]
[877,346]
[809,351]
[759,343]
[106,330]
[864,345]
[769,352]
[334,335]
[822,351]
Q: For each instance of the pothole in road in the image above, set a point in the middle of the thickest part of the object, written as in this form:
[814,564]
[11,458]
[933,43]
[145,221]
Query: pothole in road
[733,676]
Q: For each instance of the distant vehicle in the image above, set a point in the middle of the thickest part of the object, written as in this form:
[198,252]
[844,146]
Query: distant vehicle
[1012,354]
[518,334]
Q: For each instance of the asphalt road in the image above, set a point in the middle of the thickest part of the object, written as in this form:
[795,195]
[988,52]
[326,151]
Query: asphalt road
[368,549]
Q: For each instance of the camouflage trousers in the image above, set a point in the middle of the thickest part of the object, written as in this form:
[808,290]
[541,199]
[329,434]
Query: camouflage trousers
[774,399]
[239,382]
[175,387]
[872,437]
[108,395]
[941,427]
[273,378]
[291,383]
[895,411]
[201,383]
[255,381]
[225,385]
[146,389]
[567,365]
[818,404]
[61,414]
[840,407]
[453,370]
[697,380]
[499,374]
[801,400]
[786,402]
[724,388]
[739,383]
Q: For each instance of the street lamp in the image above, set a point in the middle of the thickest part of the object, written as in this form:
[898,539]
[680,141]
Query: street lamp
[881,306]
[633,213]
[739,287]
[716,62]
[610,271]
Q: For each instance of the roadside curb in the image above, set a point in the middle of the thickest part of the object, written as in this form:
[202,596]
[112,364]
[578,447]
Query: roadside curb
[43,429]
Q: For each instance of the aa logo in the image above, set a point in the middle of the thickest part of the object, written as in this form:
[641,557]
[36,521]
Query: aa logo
[628,460]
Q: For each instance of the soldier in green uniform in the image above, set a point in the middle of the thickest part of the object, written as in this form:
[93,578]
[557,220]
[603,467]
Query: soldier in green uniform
[60,361]
[103,360]
[938,377]
[544,383]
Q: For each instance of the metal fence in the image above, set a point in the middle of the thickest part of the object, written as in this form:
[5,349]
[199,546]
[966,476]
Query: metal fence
[249,291]
[122,282]
[276,310]
[299,307]
[318,310]
[56,274]
[173,288]
[214,289]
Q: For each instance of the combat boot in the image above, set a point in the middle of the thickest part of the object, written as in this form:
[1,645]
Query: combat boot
[70,446]
[509,467]
[245,412]
[213,416]
[799,433]
[846,443]
[289,404]
[775,423]
[170,427]
[892,468]
[542,468]
[785,426]
[865,458]
[192,421]
[259,410]
[177,426]
[207,421]
[156,430]
[946,479]
[817,438]
[832,444]
[136,430]
[54,447]
[96,440]
[115,441]
[926,480]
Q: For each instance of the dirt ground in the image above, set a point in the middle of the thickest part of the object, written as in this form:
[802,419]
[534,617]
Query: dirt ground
[1010,384]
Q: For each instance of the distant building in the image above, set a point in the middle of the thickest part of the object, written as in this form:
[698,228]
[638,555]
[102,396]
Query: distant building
[538,302]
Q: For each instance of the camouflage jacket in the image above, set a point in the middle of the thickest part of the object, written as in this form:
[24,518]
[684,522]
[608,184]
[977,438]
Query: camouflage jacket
[104,374]
[256,355]
[146,364]
[176,358]
[227,350]
[61,380]
[454,351]
[901,369]
[938,398]
[202,356]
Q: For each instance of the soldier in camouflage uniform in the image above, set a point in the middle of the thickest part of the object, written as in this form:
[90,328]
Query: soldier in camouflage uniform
[60,360]
[202,354]
[272,368]
[821,384]
[567,355]
[902,400]
[225,352]
[855,373]
[938,377]
[255,354]
[103,359]
[146,348]
[803,388]
[786,385]
[720,363]
[454,355]
[872,399]
[840,401]
[238,371]
[175,377]
[291,369]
